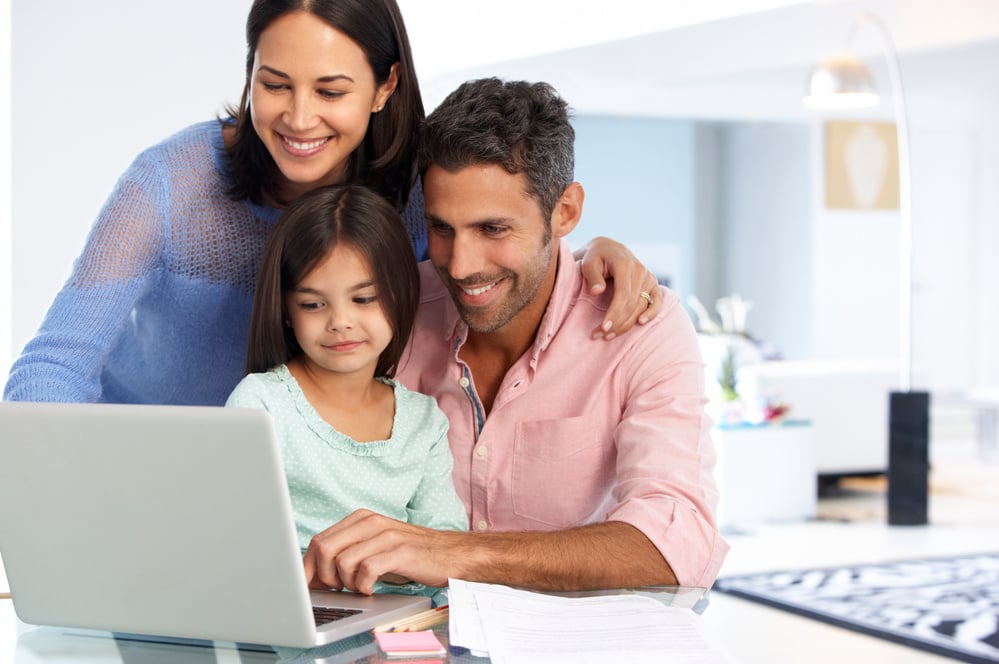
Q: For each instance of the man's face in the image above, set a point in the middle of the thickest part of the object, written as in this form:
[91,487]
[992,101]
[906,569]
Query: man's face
[490,243]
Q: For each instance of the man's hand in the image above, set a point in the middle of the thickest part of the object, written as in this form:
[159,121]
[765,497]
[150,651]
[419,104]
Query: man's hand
[366,546]
[604,259]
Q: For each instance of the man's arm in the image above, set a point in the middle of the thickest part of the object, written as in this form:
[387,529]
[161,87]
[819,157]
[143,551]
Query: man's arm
[603,555]
[365,546]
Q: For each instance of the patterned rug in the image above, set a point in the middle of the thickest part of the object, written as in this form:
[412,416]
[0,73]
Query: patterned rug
[948,606]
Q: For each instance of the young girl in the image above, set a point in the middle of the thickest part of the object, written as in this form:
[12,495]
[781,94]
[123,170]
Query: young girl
[334,305]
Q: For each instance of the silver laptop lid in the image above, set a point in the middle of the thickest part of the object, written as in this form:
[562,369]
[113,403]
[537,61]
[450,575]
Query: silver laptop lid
[170,520]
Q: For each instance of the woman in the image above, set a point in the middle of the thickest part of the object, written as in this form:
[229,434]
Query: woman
[164,285]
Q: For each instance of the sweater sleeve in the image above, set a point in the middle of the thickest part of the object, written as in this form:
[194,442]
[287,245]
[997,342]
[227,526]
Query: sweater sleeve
[414,218]
[121,257]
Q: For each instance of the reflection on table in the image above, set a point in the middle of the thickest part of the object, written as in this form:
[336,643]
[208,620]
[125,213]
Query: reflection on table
[27,644]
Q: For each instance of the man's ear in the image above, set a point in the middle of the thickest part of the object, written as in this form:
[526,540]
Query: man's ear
[568,210]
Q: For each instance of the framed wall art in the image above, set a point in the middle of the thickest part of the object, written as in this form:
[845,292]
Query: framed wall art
[861,165]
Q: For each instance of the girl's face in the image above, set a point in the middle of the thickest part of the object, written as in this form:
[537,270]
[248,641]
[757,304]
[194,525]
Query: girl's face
[337,316]
[312,93]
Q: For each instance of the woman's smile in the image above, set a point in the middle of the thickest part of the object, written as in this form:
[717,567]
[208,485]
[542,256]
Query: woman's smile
[304,147]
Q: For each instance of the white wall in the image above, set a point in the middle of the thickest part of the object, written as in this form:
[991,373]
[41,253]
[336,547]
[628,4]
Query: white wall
[6,269]
[764,180]
[639,175]
[955,152]
[92,85]
[987,267]
[855,263]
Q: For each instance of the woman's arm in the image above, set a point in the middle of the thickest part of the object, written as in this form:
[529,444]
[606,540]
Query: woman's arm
[604,259]
[63,362]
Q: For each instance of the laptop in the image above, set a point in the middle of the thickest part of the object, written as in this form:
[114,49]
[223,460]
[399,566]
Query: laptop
[172,521]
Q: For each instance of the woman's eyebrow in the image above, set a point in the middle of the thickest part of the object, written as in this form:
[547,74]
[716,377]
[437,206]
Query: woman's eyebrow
[322,79]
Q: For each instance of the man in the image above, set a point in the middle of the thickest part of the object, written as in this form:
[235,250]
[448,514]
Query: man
[580,466]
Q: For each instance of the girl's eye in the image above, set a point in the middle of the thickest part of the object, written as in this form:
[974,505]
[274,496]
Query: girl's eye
[309,305]
[331,94]
[366,299]
[274,87]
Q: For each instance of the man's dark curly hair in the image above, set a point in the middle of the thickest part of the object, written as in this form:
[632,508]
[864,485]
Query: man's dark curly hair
[522,127]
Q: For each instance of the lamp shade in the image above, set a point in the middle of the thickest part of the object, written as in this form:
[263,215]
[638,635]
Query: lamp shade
[841,81]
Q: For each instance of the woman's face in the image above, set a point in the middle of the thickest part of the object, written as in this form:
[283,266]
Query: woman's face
[312,93]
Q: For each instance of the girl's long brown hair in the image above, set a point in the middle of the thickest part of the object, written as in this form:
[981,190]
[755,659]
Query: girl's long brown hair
[308,231]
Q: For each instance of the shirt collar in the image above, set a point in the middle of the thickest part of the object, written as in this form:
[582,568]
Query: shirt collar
[564,294]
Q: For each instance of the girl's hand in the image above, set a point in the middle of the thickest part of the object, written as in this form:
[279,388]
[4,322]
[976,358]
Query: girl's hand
[603,259]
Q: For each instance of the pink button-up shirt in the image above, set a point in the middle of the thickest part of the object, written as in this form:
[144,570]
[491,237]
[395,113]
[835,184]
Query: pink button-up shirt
[581,431]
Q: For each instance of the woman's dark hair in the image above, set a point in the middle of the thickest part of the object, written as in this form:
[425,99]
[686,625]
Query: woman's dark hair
[312,227]
[385,159]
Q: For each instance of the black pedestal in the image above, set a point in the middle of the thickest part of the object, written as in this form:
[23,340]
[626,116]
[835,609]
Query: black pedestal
[908,458]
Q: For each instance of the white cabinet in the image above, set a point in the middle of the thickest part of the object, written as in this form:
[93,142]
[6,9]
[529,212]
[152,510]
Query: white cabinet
[766,473]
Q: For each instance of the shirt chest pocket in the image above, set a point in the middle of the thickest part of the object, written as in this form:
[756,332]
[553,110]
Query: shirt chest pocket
[563,471]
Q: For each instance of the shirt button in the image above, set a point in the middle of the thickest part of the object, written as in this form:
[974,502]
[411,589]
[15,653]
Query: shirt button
[463,381]
[481,450]
[482,525]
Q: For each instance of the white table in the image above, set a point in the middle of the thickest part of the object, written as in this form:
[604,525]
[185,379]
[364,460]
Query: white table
[27,644]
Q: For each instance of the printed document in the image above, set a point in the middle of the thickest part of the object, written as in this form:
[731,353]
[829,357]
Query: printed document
[516,626]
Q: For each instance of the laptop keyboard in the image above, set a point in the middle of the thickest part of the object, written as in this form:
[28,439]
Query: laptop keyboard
[327,614]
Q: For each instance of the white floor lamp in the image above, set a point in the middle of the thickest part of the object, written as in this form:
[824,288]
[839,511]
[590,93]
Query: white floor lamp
[841,82]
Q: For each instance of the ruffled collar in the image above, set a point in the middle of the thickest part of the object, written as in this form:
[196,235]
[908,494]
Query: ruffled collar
[324,431]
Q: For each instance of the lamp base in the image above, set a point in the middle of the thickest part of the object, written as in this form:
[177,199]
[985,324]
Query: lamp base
[908,458]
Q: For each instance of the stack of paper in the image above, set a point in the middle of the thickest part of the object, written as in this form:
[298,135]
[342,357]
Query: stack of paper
[515,626]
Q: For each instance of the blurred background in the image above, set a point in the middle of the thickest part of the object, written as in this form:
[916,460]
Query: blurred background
[693,147]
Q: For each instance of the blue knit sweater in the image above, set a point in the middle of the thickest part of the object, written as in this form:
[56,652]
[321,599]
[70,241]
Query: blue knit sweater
[157,307]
